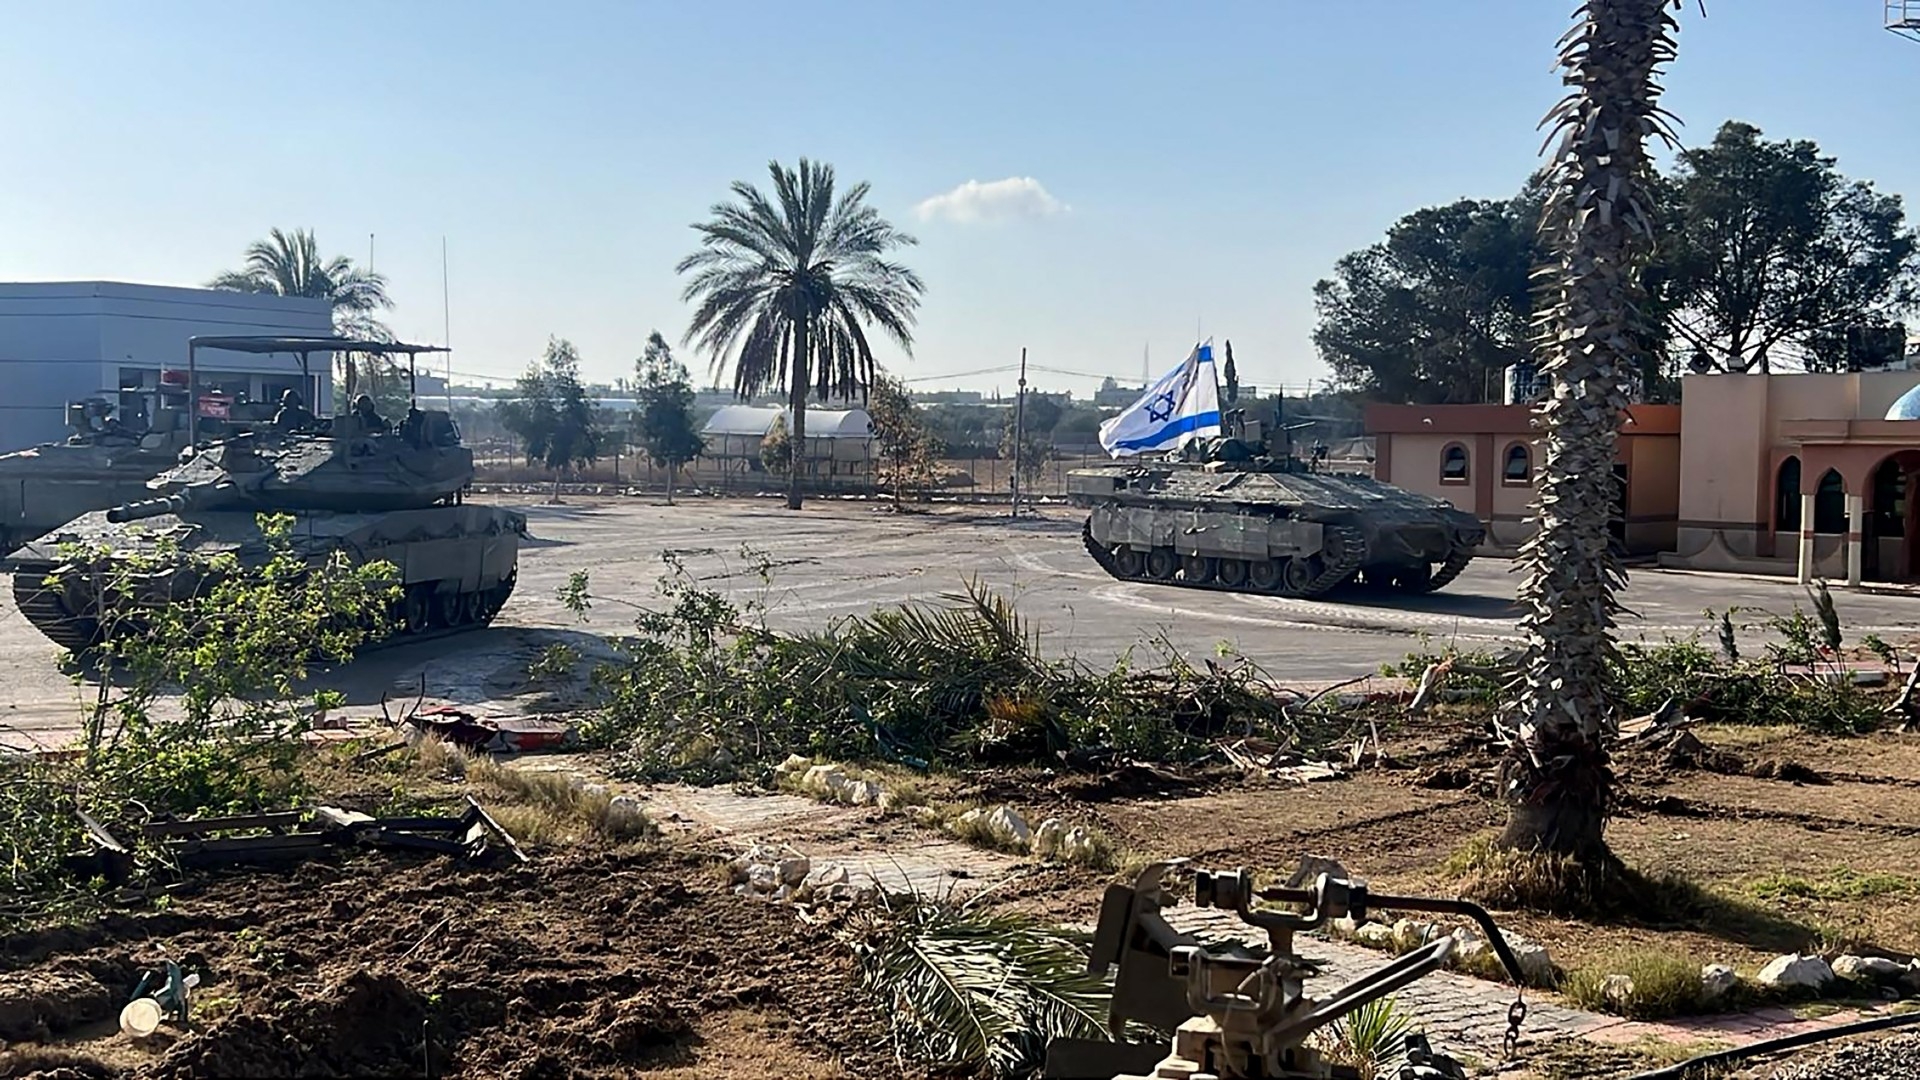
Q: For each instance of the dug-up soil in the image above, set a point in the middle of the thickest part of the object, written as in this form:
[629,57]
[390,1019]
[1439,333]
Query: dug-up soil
[595,965]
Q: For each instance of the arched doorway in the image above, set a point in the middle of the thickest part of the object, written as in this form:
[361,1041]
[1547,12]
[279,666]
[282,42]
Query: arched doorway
[1830,504]
[1786,497]
[1893,526]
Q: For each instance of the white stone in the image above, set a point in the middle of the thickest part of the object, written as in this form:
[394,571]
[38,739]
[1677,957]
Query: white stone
[594,790]
[1408,934]
[1617,989]
[793,870]
[1794,970]
[1345,926]
[763,877]
[970,818]
[863,793]
[822,780]
[1046,838]
[1867,968]
[1312,866]
[1378,935]
[828,876]
[1717,981]
[794,763]
[887,802]
[1077,845]
[1535,962]
[1006,825]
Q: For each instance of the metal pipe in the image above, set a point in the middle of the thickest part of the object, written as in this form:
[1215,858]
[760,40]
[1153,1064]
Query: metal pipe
[1785,1042]
[193,394]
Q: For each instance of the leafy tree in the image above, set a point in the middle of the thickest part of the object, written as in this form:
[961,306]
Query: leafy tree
[788,287]
[226,660]
[776,448]
[664,410]
[1433,313]
[1775,254]
[551,414]
[290,264]
[907,445]
[1555,773]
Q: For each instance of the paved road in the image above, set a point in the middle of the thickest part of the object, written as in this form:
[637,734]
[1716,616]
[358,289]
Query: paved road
[839,558]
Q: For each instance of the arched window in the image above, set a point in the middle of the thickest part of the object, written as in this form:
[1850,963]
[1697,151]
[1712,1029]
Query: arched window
[1830,504]
[1453,464]
[1518,468]
[1787,493]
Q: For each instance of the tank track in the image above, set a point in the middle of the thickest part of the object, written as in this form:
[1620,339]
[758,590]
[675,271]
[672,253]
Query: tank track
[44,608]
[1353,552]
[1458,557]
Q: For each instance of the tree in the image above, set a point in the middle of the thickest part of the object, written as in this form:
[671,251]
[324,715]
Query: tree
[907,445]
[1555,774]
[1232,377]
[777,454]
[551,413]
[290,264]
[663,394]
[1433,313]
[1775,254]
[788,287]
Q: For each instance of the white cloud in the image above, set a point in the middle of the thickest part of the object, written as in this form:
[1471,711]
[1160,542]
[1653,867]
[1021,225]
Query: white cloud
[996,200]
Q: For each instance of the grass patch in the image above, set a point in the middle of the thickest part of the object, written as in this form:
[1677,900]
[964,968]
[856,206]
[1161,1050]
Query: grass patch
[1663,985]
[1839,883]
[1622,895]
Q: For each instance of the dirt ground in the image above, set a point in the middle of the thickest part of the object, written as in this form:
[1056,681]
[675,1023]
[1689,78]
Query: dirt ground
[597,965]
[1782,859]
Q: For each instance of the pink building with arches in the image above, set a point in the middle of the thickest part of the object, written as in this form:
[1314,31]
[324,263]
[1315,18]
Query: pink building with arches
[1802,475]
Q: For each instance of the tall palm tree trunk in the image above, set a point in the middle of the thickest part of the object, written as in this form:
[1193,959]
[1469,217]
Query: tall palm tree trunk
[1556,773]
[797,400]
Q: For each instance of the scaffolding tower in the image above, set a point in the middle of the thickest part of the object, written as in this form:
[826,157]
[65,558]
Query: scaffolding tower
[1903,18]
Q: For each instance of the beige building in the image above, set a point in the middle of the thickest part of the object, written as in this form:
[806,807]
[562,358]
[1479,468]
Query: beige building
[1481,458]
[1802,474]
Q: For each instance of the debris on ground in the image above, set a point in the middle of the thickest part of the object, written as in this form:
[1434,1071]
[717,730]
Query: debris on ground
[298,834]
[493,734]
[784,874]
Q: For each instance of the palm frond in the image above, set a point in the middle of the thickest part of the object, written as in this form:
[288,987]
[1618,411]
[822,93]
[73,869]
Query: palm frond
[980,990]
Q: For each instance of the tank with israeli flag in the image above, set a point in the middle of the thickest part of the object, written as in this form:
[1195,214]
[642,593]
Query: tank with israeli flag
[1182,405]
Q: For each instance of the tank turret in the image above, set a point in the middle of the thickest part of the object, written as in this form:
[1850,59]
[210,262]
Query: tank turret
[105,459]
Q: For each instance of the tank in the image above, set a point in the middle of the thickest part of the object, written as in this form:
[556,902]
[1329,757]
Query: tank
[1225,515]
[103,463]
[373,493]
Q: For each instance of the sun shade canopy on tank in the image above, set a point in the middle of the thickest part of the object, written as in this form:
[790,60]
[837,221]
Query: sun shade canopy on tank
[299,346]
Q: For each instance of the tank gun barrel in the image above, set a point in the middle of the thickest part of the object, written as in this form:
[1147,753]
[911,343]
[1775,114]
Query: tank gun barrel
[148,508]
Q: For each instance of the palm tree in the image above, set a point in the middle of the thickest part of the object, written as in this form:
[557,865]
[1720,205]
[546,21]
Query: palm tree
[289,264]
[1598,223]
[787,287]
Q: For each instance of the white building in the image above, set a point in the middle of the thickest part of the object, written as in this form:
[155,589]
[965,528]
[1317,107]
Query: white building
[841,440]
[68,340]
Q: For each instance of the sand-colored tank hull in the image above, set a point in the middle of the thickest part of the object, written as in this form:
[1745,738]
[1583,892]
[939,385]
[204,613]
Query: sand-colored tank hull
[457,564]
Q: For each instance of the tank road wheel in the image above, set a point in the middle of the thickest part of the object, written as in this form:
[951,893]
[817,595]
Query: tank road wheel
[1197,569]
[447,607]
[416,610]
[1162,564]
[1266,574]
[1129,562]
[473,607]
[1232,573]
[1299,573]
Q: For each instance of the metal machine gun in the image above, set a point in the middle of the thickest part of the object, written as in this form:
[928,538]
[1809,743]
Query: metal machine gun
[1236,1012]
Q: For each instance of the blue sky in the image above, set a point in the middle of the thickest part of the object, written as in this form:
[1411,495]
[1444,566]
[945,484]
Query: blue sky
[1202,165]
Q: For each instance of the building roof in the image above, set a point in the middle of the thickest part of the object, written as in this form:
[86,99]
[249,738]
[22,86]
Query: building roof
[755,421]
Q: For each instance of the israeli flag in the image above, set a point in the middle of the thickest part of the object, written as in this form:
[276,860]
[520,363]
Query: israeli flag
[1182,406]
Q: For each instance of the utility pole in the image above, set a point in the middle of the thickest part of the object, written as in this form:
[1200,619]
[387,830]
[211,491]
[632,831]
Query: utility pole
[1019,429]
